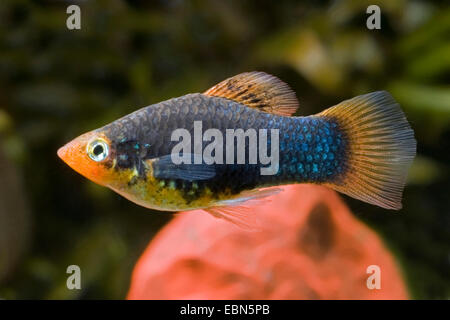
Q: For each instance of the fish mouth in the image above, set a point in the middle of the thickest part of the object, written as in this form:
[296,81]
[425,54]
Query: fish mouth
[62,153]
[67,153]
[74,154]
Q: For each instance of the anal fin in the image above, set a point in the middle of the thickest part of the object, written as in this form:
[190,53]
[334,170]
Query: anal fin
[241,216]
[241,210]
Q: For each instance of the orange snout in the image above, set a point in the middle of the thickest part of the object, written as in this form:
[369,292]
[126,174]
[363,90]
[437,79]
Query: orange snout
[75,155]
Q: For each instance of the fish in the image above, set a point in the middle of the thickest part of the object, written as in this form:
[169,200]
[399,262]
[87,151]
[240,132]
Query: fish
[362,147]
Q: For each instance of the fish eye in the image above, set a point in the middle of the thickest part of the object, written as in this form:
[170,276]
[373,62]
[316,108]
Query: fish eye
[98,150]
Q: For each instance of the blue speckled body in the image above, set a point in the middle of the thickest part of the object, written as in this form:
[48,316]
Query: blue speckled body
[311,149]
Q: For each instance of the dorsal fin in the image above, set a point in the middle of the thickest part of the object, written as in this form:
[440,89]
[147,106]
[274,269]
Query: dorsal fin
[258,90]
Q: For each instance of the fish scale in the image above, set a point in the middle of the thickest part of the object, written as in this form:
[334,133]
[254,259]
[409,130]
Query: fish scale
[362,147]
[301,160]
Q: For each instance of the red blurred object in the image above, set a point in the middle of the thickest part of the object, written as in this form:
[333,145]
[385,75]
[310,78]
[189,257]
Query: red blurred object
[311,247]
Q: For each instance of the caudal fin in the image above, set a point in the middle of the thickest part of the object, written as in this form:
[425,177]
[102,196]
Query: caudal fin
[381,148]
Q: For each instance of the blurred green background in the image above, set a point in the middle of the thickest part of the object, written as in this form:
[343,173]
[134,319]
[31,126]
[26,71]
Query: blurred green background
[56,84]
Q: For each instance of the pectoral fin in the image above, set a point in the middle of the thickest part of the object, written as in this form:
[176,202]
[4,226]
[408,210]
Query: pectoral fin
[164,168]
